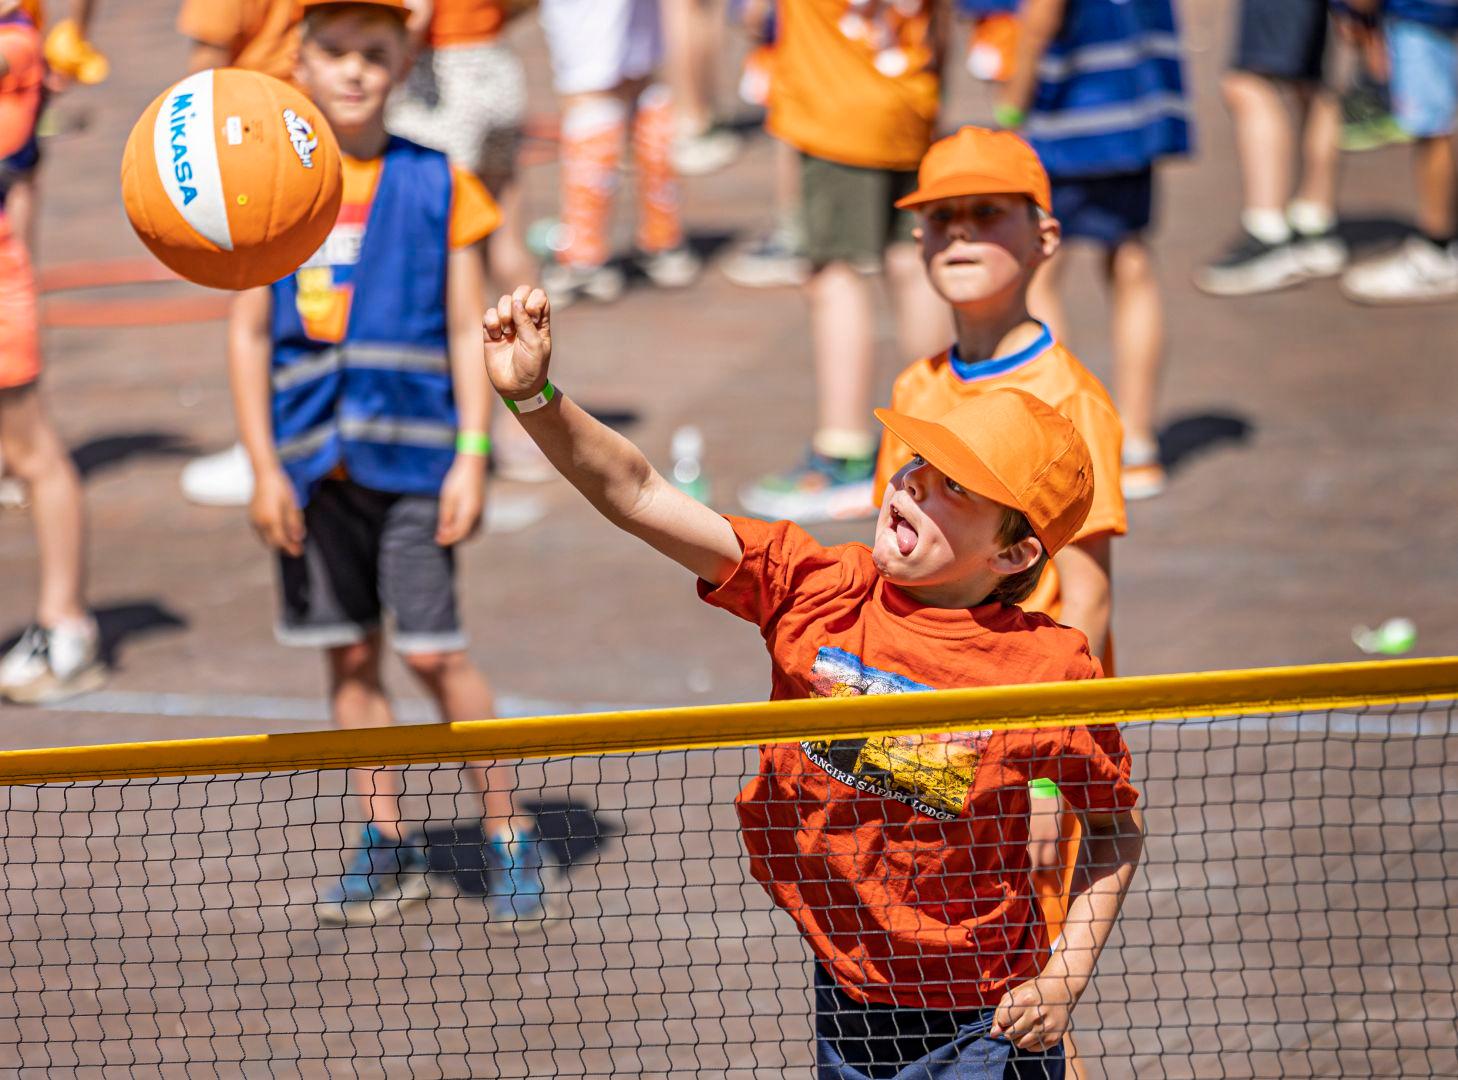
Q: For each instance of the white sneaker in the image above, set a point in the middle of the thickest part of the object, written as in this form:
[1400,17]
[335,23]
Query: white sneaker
[770,261]
[13,494]
[1319,255]
[674,269]
[50,665]
[1417,272]
[705,152]
[221,479]
[568,284]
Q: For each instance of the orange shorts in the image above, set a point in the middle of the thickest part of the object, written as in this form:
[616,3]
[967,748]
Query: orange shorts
[19,331]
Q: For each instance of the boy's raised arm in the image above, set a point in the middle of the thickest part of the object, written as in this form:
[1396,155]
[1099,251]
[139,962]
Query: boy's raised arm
[609,470]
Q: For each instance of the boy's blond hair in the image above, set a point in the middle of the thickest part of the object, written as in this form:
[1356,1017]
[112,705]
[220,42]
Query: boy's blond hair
[316,17]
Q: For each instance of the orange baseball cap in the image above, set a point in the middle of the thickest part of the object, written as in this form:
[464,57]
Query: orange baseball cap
[1009,447]
[979,161]
[397,6]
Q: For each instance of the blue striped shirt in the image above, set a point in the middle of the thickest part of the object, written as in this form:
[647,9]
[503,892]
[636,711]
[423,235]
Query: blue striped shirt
[1111,94]
[1440,13]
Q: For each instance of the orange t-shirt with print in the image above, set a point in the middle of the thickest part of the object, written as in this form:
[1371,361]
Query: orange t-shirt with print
[326,280]
[933,387]
[857,87]
[466,22]
[903,859]
[260,35]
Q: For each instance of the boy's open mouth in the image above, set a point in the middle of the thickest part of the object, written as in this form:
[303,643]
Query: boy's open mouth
[905,533]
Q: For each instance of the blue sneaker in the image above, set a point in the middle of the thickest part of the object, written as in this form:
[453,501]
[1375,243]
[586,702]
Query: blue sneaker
[822,489]
[383,877]
[515,889]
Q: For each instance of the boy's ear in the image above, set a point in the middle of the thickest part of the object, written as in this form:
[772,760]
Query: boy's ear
[1015,558]
[1050,235]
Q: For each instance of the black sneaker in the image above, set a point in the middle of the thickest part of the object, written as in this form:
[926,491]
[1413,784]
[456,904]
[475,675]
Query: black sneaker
[1250,265]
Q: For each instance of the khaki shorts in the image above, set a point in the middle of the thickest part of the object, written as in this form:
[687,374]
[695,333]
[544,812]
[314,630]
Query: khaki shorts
[850,213]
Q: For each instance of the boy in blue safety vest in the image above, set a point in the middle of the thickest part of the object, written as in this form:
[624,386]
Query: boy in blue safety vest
[1098,89]
[363,407]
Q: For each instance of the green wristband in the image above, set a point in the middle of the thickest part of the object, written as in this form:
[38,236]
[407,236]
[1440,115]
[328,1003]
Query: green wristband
[1009,117]
[475,443]
[1040,787]
[542,399]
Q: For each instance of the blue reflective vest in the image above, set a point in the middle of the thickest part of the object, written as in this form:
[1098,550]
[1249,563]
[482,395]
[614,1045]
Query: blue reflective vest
[380,402]
[1442,14]
[1111,96]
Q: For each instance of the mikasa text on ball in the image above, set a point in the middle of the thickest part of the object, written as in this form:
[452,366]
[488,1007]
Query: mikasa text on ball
[232,178]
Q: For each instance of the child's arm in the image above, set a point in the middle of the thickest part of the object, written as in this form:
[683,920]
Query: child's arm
[1035,1015]
[273,511]
[610,471]
[1083,582]
[463,492]
[1041,21]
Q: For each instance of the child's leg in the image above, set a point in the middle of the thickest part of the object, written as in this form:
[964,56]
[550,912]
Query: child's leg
[923,327]
[659,227]
[1137,322]
[1265,149]
[357,699]
[1045,296]
[1436,178]
[843,335]
[460,692]
[1320,154]
[34,453]
[593,128]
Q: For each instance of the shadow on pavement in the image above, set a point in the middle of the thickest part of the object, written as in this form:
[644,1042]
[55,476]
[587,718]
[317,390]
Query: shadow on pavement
[1191,436]
[118,622]
[109,451]
[571,832]
[1366,235]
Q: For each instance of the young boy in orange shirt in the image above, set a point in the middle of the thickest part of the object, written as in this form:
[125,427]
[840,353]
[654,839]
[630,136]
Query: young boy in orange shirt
[984,229]
[903,859]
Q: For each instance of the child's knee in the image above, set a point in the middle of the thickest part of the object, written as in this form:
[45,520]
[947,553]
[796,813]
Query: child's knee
[358,662]
[432,667]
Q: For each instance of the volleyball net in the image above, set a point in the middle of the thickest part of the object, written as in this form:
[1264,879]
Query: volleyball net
[1294,913]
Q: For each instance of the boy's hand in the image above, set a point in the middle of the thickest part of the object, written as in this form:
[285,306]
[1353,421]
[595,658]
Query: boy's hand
[518,333]
[1036,1014]
[275,513]
[462,498]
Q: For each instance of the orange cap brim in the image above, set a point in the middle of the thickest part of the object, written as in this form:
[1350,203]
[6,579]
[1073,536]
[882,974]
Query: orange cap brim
[938,447]
[959,186]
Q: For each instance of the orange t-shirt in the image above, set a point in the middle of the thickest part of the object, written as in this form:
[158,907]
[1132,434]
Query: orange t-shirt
[261,35]
[932,387]
[466,22]
[326,280]
[859,89]
[903,859]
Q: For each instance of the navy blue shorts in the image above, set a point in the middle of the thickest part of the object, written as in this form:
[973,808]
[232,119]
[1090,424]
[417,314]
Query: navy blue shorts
[1282,39]
[1105,209]
[882,1042]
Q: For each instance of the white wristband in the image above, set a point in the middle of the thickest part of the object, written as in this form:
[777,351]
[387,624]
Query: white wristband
[532,404]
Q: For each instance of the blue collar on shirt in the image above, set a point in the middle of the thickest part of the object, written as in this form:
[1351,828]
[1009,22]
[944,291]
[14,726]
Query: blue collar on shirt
[1000,365]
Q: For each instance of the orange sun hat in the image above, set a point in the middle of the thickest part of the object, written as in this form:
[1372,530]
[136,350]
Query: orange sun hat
[980,161]
[1009,447]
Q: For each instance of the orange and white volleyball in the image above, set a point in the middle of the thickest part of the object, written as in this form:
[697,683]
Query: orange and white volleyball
[232,178]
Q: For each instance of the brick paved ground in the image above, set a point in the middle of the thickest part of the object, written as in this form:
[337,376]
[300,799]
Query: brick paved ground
[1334,508]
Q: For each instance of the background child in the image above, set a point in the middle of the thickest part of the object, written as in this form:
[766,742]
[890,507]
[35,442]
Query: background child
[59,654]
[1288,224]
[1422,53]
[362,404]
[604,56]
[856,91]
[984,231]
[880,847]
[1100,127]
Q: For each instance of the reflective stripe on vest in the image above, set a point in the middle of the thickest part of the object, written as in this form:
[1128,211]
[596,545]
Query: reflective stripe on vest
[380,357]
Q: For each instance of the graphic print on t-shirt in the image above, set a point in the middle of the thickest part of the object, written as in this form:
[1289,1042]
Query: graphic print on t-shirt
[326,280]
[930,773]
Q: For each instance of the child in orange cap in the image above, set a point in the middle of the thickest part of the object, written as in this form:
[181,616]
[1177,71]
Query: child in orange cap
[59,654]
[902,859]
[984,229]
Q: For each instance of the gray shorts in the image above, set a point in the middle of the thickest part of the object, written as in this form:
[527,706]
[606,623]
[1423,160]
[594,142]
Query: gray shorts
[368,552]
[850,213]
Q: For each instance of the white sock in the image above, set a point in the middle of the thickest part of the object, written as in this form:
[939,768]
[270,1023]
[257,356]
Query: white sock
[1267,226]
[1310,218]
[1140,451]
